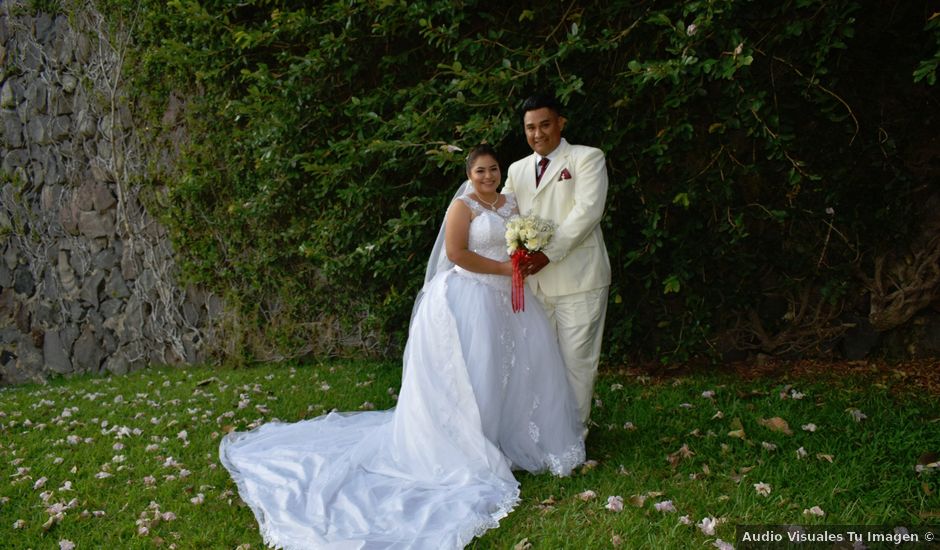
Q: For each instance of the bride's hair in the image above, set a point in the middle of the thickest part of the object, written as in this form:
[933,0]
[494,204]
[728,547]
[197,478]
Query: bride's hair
[481,150]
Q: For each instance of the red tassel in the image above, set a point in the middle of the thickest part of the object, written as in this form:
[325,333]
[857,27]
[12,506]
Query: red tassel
[518,290]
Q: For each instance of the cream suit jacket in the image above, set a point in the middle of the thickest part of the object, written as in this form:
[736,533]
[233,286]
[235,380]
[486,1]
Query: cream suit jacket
[578,257]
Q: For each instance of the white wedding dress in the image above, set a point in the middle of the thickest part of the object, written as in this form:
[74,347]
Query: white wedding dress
[484,391]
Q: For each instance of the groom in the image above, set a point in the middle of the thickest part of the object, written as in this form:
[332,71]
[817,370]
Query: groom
[566,184]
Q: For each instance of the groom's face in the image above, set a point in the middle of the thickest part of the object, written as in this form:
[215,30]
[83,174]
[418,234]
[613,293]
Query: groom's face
[543,129]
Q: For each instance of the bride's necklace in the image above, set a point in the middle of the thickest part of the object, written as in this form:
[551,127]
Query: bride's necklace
[492,205]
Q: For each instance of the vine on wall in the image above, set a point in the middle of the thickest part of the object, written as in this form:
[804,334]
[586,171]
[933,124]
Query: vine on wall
[87,277]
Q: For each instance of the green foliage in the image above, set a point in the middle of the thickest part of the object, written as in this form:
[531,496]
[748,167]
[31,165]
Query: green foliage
[746,153]
[37,7]
[927,69]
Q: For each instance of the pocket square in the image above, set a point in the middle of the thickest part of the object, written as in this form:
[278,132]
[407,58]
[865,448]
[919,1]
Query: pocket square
[565,175]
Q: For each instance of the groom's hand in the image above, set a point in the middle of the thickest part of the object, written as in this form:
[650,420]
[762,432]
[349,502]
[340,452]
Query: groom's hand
[534,263]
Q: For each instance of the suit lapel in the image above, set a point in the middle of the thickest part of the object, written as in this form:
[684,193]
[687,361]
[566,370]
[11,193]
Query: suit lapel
[528,174]
[553,169]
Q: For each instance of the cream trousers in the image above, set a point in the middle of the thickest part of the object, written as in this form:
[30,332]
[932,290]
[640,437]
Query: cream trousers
[578,320]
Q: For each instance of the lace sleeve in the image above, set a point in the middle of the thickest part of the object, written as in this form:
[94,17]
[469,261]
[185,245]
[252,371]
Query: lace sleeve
[511,204]
[475,208]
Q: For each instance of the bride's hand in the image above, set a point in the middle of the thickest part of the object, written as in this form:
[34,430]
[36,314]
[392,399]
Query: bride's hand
[506,268]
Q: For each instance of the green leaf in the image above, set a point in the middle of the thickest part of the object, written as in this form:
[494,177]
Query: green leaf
[660,18]
[681,199]
[671,284]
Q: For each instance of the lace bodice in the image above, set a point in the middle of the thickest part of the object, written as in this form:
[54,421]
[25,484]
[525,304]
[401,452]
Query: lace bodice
[488,236]
[488,227]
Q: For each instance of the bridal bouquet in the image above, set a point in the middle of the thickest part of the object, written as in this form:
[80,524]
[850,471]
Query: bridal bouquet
[524,234]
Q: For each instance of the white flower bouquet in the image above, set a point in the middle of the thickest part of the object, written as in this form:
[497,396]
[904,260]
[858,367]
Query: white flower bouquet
[530,233]
[524,234]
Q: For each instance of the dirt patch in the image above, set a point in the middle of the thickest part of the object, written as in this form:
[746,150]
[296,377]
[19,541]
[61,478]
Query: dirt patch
[921,376]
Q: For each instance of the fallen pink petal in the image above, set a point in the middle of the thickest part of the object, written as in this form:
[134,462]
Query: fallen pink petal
[614,503]
[707,526]
[664,506]
[857,415]
[814,511]
[587,495]
[763,489]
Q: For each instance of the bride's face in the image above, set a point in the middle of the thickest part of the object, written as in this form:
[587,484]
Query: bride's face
[484,175]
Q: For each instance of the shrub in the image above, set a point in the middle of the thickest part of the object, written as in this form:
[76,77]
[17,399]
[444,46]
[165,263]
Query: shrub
[755,153]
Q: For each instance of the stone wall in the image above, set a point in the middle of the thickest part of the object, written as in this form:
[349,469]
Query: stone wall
[86,274]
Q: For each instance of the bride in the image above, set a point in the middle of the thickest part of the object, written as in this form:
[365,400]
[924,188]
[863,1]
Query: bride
[484,391]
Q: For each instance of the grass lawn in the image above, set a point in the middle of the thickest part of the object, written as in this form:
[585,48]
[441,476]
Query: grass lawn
[131,462]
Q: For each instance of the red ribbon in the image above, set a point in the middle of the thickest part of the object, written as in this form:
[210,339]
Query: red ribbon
[518,290]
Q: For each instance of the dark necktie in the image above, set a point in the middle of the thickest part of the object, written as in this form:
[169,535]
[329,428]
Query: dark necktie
[542,165]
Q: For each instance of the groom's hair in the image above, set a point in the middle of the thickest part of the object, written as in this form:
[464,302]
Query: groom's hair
[540,101]
[481,150]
